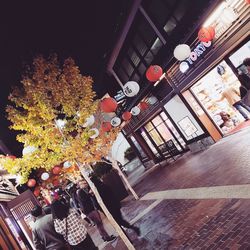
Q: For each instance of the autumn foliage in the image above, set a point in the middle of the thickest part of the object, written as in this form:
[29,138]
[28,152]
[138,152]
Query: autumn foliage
[49,92]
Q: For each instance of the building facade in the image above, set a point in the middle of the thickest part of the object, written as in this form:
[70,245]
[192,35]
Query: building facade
[187,113]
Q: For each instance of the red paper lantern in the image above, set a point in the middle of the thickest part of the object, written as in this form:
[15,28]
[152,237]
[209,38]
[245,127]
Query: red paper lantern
[206,34]
[56,170]
[31,183]
[143,105]
[126,116]
[154,73]
[106,126]
[247,1]
[37,191]
[108,105]
[55,182]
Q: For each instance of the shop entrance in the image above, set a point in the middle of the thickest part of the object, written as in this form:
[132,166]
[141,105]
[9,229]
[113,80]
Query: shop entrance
[219,90]
[162,138]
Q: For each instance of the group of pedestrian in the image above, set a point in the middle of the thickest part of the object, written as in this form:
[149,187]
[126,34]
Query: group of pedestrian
[61,225]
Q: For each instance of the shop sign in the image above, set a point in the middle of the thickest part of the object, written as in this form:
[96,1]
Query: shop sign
[194,56]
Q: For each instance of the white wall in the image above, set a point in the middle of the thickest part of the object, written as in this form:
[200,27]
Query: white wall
[177,110]
[120,145]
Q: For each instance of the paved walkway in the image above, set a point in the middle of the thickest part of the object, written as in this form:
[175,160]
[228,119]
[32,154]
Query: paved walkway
[199,202]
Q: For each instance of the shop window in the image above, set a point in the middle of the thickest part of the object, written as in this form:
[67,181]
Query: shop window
[127,66]
[150,144]
[156,137]
[122,75]
[156,46]
[149,126]
[135,77]
[133,56]
[181,9]
[170,25]
[149,57]
[142,68]
[140,45]
[157,120]
[139,148]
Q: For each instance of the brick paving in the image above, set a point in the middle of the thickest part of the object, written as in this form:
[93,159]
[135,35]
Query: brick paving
[196,224]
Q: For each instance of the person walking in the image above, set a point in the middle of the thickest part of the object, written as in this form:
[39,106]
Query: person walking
[233,98]
[70,225]
[43,232]
[112,204]
[90,208]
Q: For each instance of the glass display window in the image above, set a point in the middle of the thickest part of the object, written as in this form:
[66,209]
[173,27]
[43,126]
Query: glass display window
[217,91]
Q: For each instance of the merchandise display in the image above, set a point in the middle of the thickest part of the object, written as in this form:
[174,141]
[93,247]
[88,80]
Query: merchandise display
[208,91]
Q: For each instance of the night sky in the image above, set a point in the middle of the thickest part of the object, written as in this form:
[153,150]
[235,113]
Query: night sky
[83,30]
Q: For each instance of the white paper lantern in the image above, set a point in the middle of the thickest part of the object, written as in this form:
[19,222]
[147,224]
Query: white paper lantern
[45,176]
[115,121]
[95,131]
[89,121]
[67,164]
[135,111]
[228,15]
[131,89]
[183,67]
[29,150]
[60,123]
[152,100]
[182,52]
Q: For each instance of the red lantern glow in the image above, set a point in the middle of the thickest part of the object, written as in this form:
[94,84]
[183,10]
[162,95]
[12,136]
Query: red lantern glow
[37,191]
[55,182]
[31,183]
[108,105]
[106,126]
[154,73]
[206,34]
[126,116]
[247,1]
[56,170]
[143,105]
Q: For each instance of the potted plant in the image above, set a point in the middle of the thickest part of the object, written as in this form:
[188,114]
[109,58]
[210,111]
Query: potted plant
[129,154]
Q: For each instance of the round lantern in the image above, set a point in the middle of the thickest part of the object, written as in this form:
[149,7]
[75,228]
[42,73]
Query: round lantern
[56,170]
[143,105]
[247,1]
[135,111]
[45,176]
[31,183]
[36,191]
[106,126]
[228,15]
[154,73]
[89,121]
[183,67]
[115,121]
[95,133]
[67,164]
[206,34]
[108,105]
[131,89]
[55,183]
[152,100]
[29,150]
[182,52]
[126,116]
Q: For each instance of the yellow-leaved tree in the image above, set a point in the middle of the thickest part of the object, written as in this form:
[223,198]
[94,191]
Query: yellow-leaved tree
[51,93]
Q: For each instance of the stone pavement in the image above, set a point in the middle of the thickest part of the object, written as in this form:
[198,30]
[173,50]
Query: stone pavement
[198,216]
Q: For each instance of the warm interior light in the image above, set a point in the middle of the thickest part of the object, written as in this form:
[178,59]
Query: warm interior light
[215,15]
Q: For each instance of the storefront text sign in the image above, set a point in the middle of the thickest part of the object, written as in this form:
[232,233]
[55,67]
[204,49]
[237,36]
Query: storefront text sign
[195,55]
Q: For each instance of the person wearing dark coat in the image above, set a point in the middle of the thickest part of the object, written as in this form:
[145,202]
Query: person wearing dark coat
[43,232]
[88,207]
[112,204]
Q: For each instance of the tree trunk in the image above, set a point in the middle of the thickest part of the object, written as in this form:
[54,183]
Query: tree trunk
[115,166]
[105,210]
